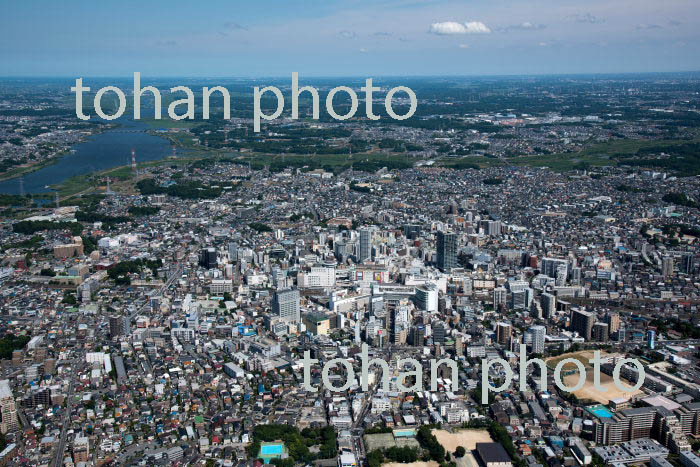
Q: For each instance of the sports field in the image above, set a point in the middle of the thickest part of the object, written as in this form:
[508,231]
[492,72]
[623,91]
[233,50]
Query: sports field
[464,438]
[589,391]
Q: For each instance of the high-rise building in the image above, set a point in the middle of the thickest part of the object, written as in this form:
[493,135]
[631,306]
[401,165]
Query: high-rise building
[549,305]
[500,295]
[521,299]
[490,227]
[600,332]
[439,333]
[426,297]
[613,321]
[535,336]
[41,396]
[119,326]
[365,246]
[688,263]
[576,276]
[582,322]
[503,333]
[621,334]
[411,231]
[549,266]
[446,251]
[651,339]
[8,409]
[418,335]
[233,251]
[207,258]
[667,266]
[286,305]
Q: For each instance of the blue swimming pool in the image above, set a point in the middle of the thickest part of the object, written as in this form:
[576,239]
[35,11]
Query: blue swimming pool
[271,449]
[600,411]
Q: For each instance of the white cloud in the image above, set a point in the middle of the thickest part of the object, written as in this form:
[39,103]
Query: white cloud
[528,26]
[345,34]
[452,27]
[463,46]
[525,26]
[585,18]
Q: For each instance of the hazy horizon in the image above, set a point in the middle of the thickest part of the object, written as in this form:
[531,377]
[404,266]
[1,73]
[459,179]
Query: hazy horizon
[349,38]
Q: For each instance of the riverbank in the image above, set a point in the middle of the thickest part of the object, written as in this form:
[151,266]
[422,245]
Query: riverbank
[122,178]
[25,169]
[21,170]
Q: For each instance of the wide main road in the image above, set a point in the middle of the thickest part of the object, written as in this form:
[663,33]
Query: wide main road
[61,447]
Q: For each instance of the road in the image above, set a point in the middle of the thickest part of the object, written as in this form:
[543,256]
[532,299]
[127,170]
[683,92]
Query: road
[173,277]
[61,448]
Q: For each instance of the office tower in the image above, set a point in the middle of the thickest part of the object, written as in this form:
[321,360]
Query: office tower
[688,263]
[535,335]
[621,334]
[517,300]
[667,266]
[613,321]
[446,251]
[453,208]
[233,251]
[439,333]
[207,258]
[286,305]
[418,335]
[576,276]
[503,333]
[600,332]
[427,297]
[365,247]
[521,299]
[8,409]
[411,231]
[340,250]
[582,322]
[499,297]
[549,266]
[549,305]
[119,326]
[490,227]
[651,339]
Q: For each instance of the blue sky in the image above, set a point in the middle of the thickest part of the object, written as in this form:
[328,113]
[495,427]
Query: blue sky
[346,37]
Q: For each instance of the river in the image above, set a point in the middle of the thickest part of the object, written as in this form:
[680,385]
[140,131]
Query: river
[102,151]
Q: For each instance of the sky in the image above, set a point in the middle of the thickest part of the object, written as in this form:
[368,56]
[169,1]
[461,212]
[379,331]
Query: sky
[251,38]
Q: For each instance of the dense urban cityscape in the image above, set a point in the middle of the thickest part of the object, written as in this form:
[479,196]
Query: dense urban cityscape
[156,310]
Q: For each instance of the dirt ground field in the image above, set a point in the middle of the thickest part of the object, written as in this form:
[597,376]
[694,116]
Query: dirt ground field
[583,356]
[412,464]
[464,438]
[590,392]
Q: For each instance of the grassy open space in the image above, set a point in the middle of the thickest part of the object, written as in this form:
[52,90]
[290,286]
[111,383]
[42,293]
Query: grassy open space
[598,155]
